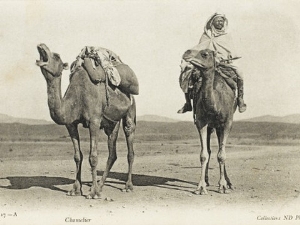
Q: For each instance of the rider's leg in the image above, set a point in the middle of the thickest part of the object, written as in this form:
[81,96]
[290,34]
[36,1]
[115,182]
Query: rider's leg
[185,83]
[187,106]
[240,85]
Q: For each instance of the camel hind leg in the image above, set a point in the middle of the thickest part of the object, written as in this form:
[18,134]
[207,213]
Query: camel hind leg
[129,125]
[78,157]
[112,134]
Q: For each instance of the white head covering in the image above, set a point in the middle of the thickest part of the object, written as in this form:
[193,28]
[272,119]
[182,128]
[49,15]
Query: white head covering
[210,30]
[216,40]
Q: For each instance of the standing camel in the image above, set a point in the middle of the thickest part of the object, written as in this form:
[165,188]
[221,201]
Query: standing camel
[87,103]
[214,107]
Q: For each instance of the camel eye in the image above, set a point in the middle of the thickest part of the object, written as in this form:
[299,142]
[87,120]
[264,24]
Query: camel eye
[204,54]
[56,56]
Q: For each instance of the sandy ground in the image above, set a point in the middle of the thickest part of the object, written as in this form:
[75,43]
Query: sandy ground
[35,177]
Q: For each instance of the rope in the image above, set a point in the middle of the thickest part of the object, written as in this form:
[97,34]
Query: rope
[106,90]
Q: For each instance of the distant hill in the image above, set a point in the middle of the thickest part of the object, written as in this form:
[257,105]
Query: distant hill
[155,131]
[9,119]
[155,118]
[157,128]
[294,118]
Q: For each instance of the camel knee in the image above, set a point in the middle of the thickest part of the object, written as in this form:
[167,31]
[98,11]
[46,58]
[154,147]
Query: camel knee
[221,157]
[93,160]
[128,130]
[78,157]
[203,158]
[128,127]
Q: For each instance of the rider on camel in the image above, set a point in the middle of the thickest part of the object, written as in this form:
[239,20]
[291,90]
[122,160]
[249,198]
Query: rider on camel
[217,39]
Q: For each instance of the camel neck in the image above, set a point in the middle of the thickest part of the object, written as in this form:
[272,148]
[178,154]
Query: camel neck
[207,90]
[55,100]
[208,80]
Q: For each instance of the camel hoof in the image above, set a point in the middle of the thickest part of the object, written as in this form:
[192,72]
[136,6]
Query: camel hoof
[88,197]
[74,193]
[227,191]
[196,192]
[128,187]
[93,197]
[96,197]
[203,192]
[224,190]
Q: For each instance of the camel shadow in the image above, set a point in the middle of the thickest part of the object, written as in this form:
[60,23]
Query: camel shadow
[23,182]
[146,180]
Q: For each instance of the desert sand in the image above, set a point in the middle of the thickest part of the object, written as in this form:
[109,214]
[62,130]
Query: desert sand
[35,177]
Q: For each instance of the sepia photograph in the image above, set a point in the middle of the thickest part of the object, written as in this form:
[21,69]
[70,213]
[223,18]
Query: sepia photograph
[165,112]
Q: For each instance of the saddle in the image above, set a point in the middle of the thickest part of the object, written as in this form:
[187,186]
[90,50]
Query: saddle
[225,71]
[229,75]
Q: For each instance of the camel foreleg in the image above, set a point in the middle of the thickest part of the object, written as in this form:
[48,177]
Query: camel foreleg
[93,158]
[204,158]
[209,132]
[78,157]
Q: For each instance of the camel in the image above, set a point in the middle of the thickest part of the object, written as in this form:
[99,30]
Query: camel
[214,106]
[87,103]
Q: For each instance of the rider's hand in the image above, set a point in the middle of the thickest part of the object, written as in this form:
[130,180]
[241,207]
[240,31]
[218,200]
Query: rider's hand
[229,59]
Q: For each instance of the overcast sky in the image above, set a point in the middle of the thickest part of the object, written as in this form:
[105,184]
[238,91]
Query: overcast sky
[151,36]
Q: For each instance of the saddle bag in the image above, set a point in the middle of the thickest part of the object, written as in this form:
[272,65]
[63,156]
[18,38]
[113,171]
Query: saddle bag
[129,83]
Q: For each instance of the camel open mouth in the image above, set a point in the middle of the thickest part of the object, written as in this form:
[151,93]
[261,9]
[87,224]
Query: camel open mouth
[197,63]
[43,56]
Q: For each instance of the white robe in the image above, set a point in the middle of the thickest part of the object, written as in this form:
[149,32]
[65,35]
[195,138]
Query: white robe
[216,40]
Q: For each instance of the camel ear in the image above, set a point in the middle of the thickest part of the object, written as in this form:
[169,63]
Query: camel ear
[66,66]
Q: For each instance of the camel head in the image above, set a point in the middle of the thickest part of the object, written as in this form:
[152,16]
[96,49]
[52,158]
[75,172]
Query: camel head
[50,63]
[205,59]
